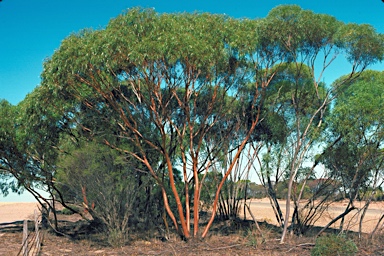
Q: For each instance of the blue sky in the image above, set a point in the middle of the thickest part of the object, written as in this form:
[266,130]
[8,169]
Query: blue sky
[30,31]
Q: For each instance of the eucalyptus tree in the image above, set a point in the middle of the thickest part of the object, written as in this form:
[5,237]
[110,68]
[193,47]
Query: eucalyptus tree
[314,41]
[172,80]
[356,135]
[40,128]
[30,133]
[10,159]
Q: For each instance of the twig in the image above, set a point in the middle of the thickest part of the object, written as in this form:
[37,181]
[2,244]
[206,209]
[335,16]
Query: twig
[301,245]
[173,250]
[306,244]
[223,247]
[254,219]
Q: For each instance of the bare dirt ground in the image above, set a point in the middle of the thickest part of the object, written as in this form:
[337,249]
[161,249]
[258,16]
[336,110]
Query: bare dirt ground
[10,212]
[224,239]
[262,210]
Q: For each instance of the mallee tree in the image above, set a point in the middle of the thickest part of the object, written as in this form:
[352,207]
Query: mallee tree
[182,92]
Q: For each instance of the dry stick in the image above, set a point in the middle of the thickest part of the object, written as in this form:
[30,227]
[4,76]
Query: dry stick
[223,247]
[301,245]
[27,240]
[173,250]
[25,237]
[336,219]
[377,226]
[37,233]
[254,219]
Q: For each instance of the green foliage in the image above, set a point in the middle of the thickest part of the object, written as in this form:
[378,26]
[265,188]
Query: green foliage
[8,149]
[25,147]
[116,238]
[376,194]
[362,45]
[291,31]
[292,99]
[98,177]
[66,211]
[356,121]
[252,237]
[357,110]
[171,88]
[333,245]
[256,191]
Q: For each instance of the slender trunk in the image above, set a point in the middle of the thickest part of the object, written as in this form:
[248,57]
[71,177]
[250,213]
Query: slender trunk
[245,200]
[254,220]
[187,206]
[275,211]
[164,193]
[177,198]
[343,217]
[362,217]
[196,199]
[168,209]
[377,226]
[53,208]
[348,210]
[274,202]
[186,191]
[214,207]
[234,160]
[287,208]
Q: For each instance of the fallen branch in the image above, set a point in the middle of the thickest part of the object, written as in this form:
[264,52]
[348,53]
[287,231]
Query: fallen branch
[223,247]
[302,245]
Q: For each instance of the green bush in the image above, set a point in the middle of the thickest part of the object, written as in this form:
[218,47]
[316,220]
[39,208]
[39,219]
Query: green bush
[66,211]
[117,238]
[334,245]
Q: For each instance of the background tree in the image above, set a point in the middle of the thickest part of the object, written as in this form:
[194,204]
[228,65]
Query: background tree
[28,136]
[303,45]
[356,124]
[9,162]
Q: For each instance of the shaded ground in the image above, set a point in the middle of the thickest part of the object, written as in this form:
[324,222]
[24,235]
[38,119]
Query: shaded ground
[226,238]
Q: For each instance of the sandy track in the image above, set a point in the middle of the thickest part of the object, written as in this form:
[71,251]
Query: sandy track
[261,208]
[11,212]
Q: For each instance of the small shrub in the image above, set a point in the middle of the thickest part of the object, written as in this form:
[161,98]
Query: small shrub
[251,236]
[334,245]
[117,238]
[66,211]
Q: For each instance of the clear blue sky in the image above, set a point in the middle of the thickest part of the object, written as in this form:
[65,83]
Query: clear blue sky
[31,30]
